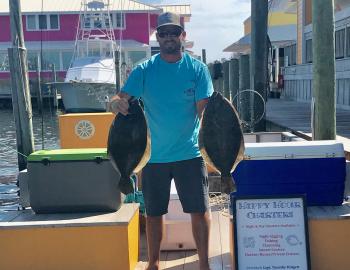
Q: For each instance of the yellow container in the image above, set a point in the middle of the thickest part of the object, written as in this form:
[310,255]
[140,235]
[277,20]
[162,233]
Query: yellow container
[105,241]
[84,130]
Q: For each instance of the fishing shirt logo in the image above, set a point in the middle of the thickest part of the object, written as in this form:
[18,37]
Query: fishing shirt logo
[189,91]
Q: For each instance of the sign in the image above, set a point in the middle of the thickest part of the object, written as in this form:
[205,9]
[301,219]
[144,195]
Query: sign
[271,233]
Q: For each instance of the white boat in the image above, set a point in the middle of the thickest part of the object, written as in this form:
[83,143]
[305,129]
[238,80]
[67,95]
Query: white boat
[91,78]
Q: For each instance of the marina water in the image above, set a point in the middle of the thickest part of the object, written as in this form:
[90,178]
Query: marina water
[8,150]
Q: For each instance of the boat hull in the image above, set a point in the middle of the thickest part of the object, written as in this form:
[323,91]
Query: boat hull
[82,97]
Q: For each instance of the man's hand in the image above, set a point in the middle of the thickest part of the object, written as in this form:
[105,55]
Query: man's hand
[119,104]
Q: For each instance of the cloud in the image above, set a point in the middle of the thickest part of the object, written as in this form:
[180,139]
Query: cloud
[214,24]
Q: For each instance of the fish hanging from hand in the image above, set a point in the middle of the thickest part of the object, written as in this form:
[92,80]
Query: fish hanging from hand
[221,139]
[129,144]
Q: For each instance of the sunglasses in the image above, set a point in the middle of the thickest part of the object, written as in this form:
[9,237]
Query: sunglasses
[171,34]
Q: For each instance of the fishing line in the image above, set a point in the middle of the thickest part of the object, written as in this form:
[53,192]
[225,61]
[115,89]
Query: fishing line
[13,150]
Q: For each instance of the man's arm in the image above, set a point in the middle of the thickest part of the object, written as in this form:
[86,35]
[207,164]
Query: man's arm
[201,106]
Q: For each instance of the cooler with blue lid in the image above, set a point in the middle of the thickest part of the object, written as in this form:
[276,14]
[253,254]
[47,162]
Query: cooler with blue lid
[314,168]
[73,180]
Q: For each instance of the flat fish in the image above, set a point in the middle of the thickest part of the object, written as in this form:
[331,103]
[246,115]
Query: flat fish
[129,144]
[221,139]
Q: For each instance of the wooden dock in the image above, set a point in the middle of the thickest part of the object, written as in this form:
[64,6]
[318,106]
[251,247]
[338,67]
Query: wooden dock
[296,117]
[219,248]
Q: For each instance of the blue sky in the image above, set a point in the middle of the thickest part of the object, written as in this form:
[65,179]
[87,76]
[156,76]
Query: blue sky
[214,24]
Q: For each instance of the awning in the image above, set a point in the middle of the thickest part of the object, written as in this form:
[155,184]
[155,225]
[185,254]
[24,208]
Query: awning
[280,36]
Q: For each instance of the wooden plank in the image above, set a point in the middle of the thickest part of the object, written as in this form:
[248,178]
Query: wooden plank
[28,218]
[191,260]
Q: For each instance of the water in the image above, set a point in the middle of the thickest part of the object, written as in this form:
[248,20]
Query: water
[8,150]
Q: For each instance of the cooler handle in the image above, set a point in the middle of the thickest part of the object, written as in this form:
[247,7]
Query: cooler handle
[45,161]
[98,159]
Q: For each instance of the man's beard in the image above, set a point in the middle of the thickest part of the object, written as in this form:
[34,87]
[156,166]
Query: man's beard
[174,48]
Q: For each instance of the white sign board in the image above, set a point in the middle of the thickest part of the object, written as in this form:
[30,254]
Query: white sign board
[271,233]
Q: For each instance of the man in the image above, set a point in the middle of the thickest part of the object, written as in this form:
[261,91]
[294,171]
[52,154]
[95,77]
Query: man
[174,88]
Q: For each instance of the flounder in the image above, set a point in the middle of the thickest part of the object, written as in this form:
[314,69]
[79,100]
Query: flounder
[221,139]
[129,144]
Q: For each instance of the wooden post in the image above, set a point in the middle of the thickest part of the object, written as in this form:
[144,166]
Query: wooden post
[117,71]
[258,67]
[226,79]
[323,70]
[22,106]
[244,84]
[244,72]
[234,79]
[204,56]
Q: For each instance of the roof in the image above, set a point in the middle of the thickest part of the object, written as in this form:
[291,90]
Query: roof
[279,35]
[74,6]
[183,10]
[68,45]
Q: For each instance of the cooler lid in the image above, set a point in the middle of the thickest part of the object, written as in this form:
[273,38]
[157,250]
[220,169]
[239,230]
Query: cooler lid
[293,150]
[69,154]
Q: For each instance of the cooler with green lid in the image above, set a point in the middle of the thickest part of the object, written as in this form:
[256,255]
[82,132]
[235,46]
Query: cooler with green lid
[73,180]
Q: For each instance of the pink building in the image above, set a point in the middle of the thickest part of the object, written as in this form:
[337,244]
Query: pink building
[50,31]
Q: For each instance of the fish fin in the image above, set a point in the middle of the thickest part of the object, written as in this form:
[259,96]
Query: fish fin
[126,186]
[227,184]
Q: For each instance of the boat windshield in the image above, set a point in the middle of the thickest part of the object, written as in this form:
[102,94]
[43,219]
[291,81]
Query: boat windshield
[95,48]
[86,61]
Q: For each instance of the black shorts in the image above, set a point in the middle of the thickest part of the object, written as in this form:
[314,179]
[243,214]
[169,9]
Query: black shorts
[191,180]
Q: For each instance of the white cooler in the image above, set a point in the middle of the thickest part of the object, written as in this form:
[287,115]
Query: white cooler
[177,231]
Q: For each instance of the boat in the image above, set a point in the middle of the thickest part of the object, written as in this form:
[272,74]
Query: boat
[91,77]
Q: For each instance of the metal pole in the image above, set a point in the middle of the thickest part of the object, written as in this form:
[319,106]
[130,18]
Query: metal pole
[234,79]
[323,70]
[204,56]
[22,107]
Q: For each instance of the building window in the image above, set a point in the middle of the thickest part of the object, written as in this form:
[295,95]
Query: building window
[339,43]
[54,24]
[293,57]
[31,22]
[66,59]
[118,20]
[100,21]
[50,58]
[4,61]
[42,22]
[32,58]
[290,54]
[309,51]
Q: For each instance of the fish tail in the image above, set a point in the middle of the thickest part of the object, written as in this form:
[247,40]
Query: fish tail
[227,184]
[126,185]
